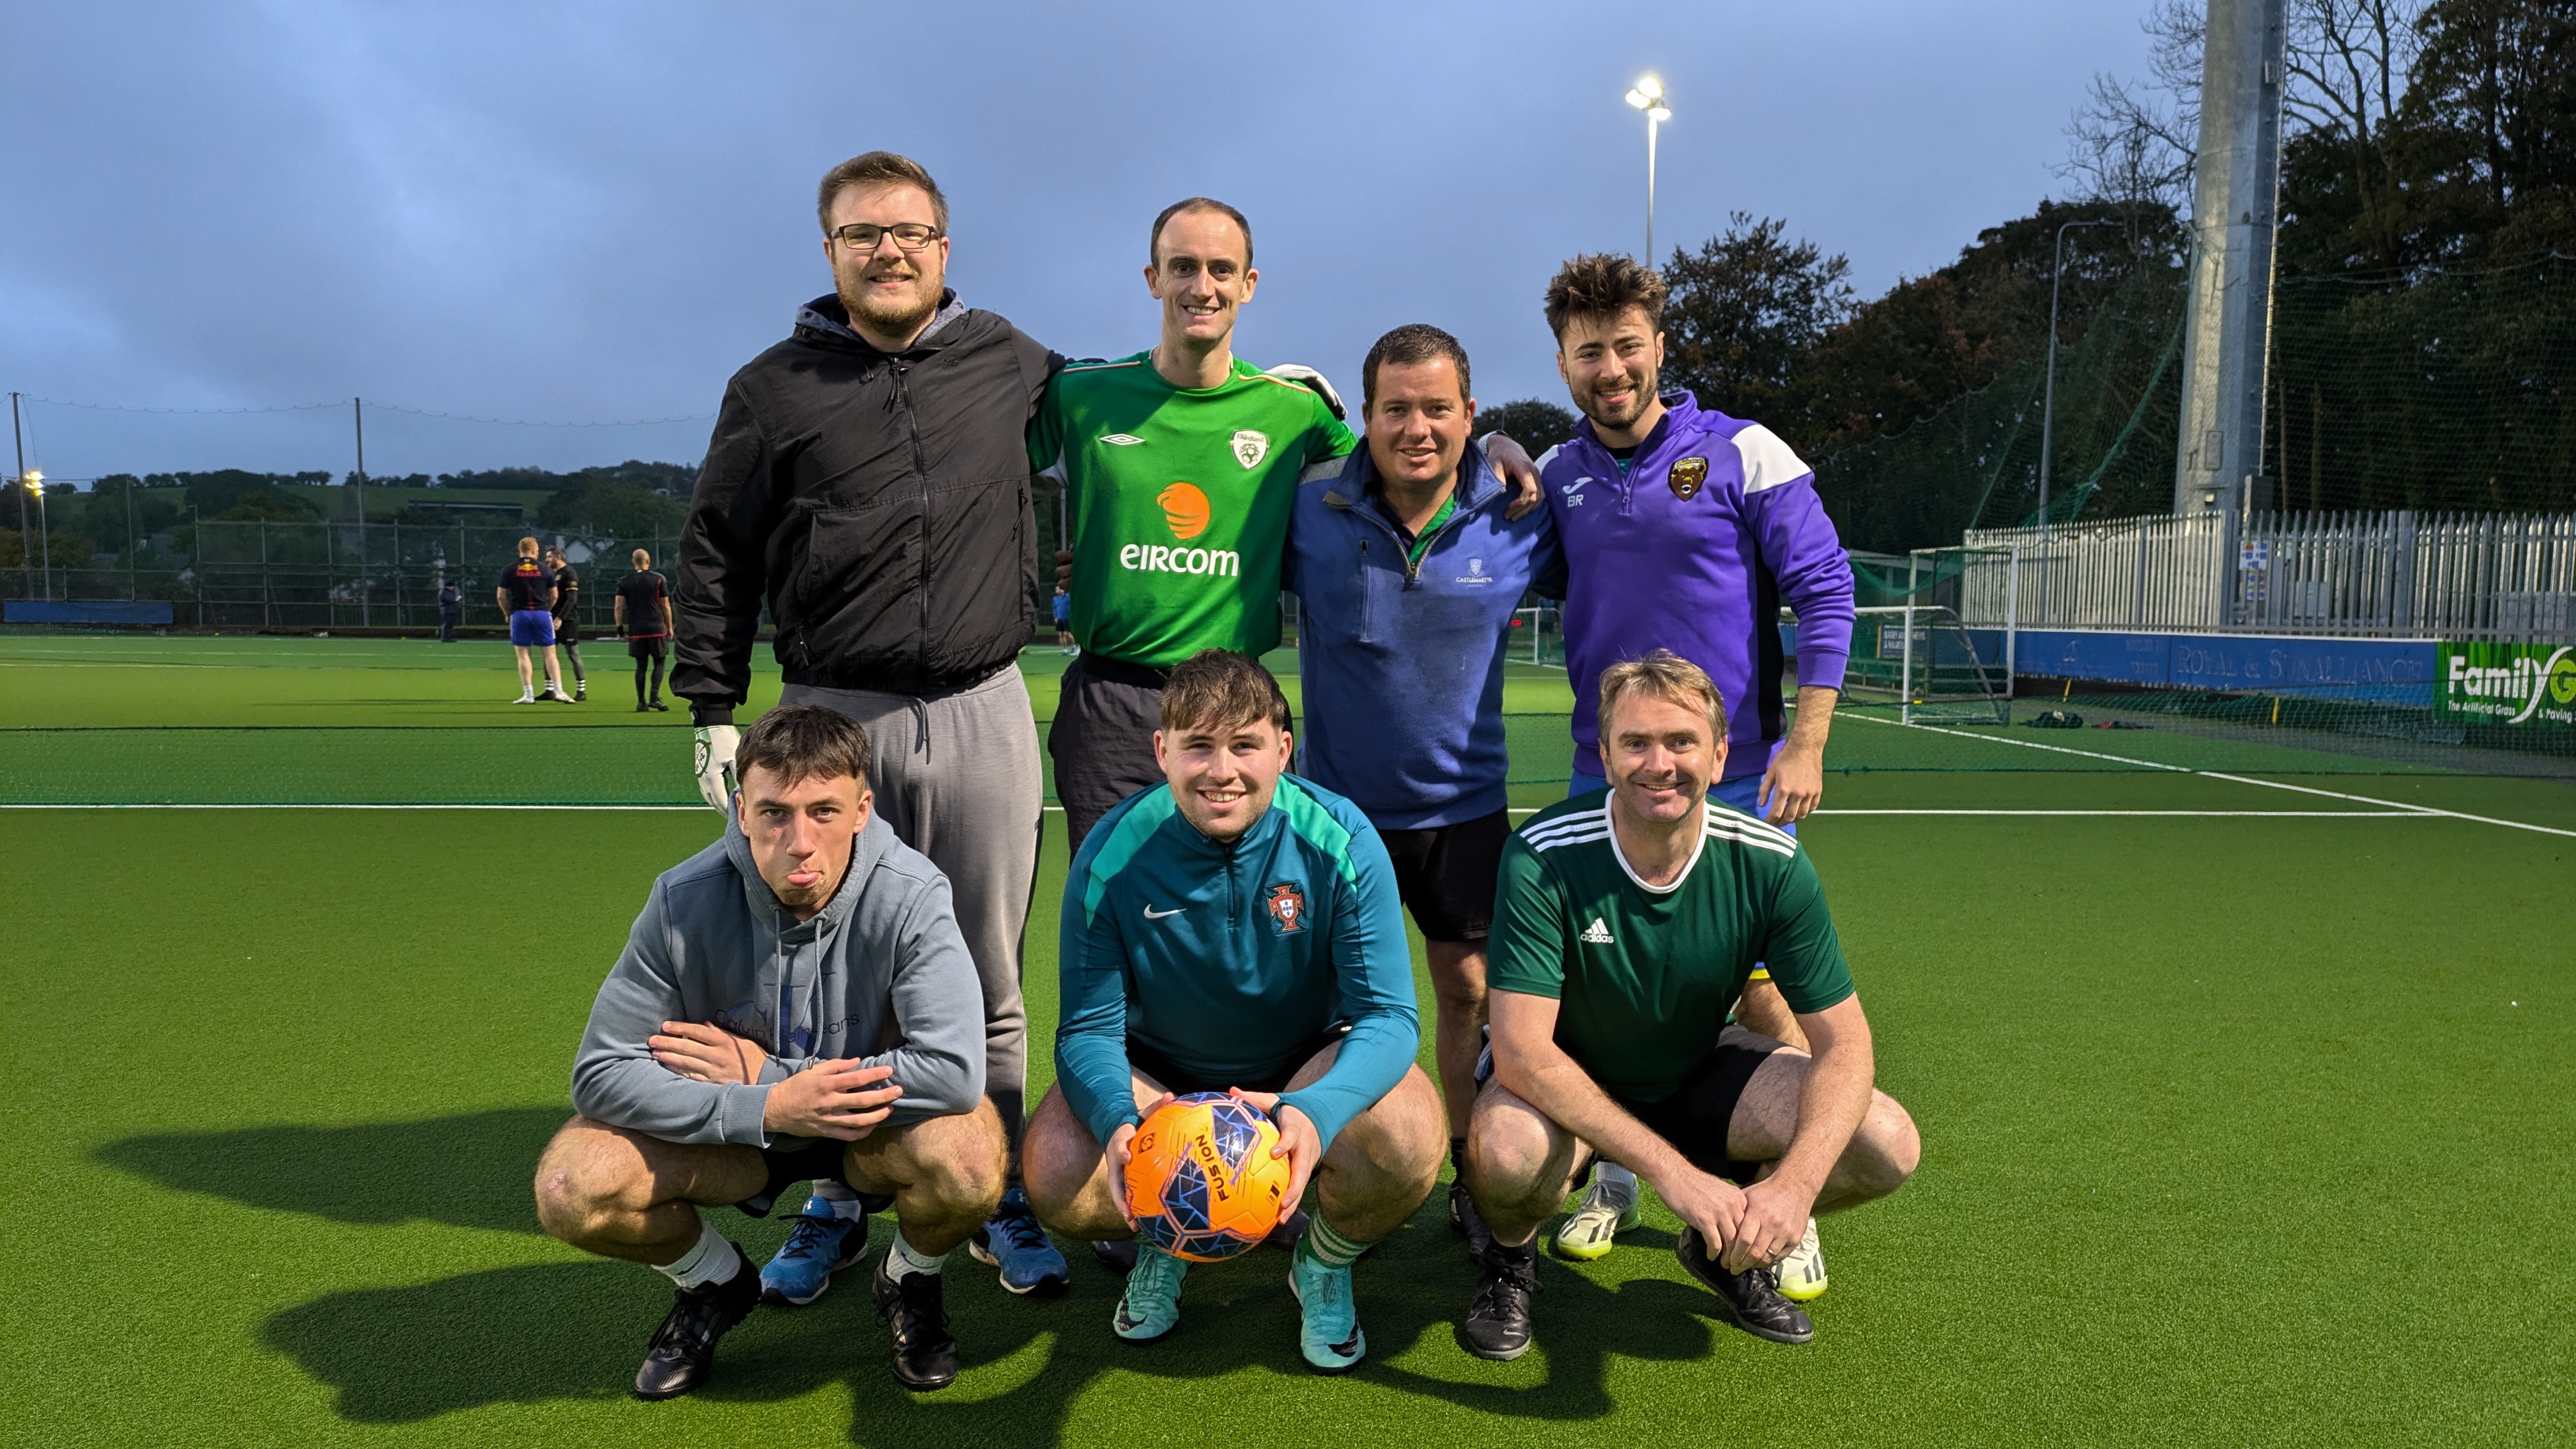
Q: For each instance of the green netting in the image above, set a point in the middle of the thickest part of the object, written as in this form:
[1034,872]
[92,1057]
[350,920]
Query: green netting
[2434,391]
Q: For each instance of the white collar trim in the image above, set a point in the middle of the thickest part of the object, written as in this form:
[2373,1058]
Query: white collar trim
[1699,842]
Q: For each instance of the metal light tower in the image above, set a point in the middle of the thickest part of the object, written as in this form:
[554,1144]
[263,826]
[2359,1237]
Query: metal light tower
[2227,327]
[2048,391]
[35,483]
[1647,95]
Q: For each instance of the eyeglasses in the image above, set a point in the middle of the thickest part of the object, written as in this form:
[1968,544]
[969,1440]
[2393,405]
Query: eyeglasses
[859,236]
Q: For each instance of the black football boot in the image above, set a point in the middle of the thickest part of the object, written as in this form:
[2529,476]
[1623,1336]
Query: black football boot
[1752,1297]
[1498,1325]
[925,1354]
[684,1346]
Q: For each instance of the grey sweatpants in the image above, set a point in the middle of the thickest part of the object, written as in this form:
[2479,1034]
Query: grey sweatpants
[957,777]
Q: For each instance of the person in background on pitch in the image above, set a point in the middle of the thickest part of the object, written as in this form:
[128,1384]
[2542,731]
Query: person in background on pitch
[1685,529]
[1409,570]
[794,1004]
[643,615]
[1064,622]
[526,595]
[1236,929]
[567,612]
[901,579]
[451,610]
[1628,922]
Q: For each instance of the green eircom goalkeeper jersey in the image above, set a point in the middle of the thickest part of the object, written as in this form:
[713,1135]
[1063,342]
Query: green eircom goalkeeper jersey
[1179,502]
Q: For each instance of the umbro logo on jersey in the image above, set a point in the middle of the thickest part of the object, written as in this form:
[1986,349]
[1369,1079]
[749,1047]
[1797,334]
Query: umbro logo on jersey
[1121,440]
[1154,915]
[1250,447]
[1596,934]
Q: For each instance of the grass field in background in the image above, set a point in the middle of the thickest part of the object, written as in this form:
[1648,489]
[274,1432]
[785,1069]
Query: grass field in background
[2239,1128]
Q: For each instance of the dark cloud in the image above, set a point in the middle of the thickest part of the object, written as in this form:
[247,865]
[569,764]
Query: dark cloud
[596,212]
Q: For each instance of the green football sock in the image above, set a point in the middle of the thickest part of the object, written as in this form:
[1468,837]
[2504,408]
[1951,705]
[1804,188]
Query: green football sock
[1328,1247]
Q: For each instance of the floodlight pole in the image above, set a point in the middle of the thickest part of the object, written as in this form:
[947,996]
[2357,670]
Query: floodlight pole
[1652,126]
[2048,391]
[1647,95]
[357,492]
[20,435]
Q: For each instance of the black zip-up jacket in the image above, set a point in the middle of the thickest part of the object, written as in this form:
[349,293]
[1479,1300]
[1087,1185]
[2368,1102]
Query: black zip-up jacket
[879,503]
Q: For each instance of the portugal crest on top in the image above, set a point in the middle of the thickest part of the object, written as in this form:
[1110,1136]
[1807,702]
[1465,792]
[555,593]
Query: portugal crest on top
[1288,907]
[1252,445]
[1686,476]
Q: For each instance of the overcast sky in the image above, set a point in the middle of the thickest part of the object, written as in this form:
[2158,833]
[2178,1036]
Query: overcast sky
[584,214]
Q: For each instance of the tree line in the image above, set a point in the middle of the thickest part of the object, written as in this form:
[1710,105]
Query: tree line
[2424,348]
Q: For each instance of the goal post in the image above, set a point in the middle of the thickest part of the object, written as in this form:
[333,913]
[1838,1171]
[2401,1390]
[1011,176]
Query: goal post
[1924,660]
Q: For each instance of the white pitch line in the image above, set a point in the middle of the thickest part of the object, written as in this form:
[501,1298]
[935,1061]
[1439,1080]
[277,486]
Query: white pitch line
[157,805]
[2226,814]
[2400,806]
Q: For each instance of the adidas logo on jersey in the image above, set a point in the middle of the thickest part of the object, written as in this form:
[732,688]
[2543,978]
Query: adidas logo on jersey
[1123,440]
[1596,934]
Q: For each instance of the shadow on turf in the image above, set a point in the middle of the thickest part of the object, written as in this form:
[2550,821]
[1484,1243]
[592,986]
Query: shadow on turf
[472,1171]
[576,1330]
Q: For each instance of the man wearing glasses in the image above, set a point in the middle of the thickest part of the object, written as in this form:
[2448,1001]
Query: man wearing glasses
[868,481]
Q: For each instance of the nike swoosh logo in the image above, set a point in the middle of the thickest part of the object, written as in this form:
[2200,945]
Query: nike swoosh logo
[1154,915]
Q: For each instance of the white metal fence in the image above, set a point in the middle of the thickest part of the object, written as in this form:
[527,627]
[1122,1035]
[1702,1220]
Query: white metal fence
[2508,577]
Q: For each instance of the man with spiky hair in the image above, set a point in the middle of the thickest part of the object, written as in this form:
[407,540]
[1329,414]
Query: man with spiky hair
[1685,529]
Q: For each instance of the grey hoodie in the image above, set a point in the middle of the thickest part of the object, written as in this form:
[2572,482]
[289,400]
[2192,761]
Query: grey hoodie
[880,974]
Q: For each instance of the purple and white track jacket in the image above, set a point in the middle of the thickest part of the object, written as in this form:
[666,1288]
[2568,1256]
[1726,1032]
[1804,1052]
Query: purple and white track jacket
[1713,527]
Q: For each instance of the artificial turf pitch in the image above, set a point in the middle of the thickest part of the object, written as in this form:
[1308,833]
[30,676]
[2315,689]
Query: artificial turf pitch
[2238,1128]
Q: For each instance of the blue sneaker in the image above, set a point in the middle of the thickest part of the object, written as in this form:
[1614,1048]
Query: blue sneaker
[1151,1306]
[816,1248]
[1013,1242]
[1328,1327]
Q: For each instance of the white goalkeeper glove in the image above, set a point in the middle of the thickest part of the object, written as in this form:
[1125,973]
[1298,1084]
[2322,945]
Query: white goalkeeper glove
[716,745]
[1299,372]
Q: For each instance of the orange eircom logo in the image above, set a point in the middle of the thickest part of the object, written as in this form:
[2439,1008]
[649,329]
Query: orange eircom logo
[1185,509]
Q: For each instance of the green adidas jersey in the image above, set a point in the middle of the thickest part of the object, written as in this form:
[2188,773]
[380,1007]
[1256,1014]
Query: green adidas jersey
[1645,977]
[1179,502]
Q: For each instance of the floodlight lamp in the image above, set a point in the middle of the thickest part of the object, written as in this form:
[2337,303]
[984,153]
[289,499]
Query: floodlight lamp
[1659,112]
[35,479]
[1639,99]
[1649,87]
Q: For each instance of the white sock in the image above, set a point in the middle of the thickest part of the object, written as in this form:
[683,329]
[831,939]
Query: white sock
[831,1199]
[1619,1180]
[713,1260]
[903,1260]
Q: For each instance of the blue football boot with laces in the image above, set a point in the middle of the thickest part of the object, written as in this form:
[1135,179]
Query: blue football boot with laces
[1151,1306]
[1328,1327]
[819,1246]
[1012,1241]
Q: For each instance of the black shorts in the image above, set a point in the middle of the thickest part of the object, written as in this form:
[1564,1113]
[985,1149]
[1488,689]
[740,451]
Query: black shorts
[1102,739]
[1180,1080]
[820,1162]
[568,630]
[657,647]
[1446,875]
[1695,1118]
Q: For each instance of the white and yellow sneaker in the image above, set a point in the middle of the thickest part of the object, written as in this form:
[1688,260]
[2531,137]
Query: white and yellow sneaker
[1609,1207]
[1802,1273]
